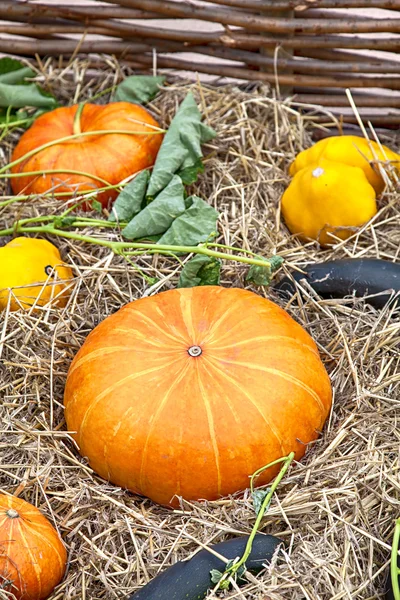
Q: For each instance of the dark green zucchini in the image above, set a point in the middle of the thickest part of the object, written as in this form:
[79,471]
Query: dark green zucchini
[348,277]
[191,580]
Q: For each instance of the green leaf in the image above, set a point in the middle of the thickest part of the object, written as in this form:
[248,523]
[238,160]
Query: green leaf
[19,96]
[263,275]
[189,174]
[13,71]
[160,214]
[197,224]
[200,270]
[138,88]
[180,150]
[130,200]
[258,499]
[216,576]
[97,206]
[60,222]
[241,571]
[16,92]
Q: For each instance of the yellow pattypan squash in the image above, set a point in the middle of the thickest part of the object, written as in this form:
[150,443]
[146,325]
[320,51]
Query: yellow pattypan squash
[327,197]
[29,267]
[350,150]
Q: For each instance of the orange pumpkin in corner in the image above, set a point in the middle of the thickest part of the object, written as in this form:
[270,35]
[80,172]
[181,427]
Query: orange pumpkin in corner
[107,158]
[32,556]
[190,391]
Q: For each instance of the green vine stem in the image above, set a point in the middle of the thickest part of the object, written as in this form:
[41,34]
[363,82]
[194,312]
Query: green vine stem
[120,247]
[394,569]
[76,127]
[286,460]
[52,172]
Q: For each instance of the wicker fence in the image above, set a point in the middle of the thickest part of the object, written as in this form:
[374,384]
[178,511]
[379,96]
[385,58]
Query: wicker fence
[311,48]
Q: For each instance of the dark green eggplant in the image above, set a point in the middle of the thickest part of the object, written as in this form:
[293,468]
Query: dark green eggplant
[347,277]
[191,580]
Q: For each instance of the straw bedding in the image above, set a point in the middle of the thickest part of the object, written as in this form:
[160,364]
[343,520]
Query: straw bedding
[335,509]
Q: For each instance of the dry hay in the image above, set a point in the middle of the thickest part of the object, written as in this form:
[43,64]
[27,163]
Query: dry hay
[335,509]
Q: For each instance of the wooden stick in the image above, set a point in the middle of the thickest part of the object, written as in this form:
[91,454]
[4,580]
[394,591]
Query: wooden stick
[257,23]
[241,40]
[324,54]
[299,66]
[278,5]
[42,31]
[113,30]
[319,13]
[63,46]
[379,119]
[11,11]
[341,100]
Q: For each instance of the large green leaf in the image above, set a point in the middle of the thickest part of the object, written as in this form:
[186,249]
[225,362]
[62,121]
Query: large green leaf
[157,216]
[16,92]
[19,96]
[181,147]
[138,89]
[130,200]
[14,71]
[200,270]
[197,224]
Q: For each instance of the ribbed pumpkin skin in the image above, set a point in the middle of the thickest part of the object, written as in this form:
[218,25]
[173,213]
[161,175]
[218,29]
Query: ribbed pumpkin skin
[32,555]
[112,157]
[155,420]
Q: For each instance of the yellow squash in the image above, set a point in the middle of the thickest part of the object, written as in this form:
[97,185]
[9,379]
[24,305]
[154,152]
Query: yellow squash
[32,272]
[328,197]
[350,150]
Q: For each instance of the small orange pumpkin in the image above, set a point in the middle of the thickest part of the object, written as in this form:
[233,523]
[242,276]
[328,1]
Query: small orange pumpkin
[190,391]
[32,556]
[111,157]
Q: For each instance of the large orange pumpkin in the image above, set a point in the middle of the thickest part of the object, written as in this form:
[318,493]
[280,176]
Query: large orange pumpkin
[190,391]
[32,555]
[111,157]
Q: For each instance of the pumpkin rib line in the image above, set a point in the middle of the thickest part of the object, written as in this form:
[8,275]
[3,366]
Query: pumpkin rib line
[269,338]
[115,433]
[110,350]
[112,388]
[155,418]
[93,170]
[243,391]
[141,337]
[147,320]
[32,529]
[186,308]
[96,354]
[34,563]
[284,375]
[10,540]
[233,411]
[219,322]
[7,555]
[211,428]
[3,520]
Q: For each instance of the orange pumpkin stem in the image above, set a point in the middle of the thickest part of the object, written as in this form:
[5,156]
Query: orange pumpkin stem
[13,514]
[76,128]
